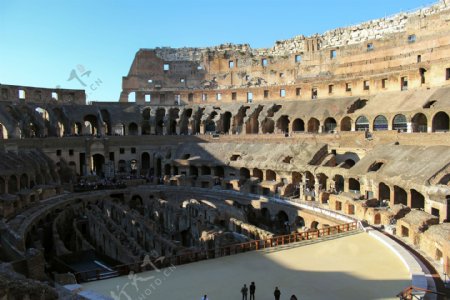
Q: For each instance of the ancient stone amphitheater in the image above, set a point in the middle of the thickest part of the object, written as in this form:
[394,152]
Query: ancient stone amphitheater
[215,151]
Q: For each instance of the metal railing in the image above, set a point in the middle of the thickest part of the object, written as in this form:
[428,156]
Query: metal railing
[205,254]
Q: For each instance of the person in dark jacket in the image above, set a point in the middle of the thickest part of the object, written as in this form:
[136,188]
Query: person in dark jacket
[252,291]
[277,293]
[244,292]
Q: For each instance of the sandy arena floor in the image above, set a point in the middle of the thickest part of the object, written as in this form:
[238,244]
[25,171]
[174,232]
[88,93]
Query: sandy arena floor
[352,267]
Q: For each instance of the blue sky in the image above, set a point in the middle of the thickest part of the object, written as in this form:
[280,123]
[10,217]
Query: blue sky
[41,42]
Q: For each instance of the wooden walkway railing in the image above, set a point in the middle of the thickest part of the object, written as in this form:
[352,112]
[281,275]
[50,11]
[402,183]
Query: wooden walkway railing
[164,262]
[413,292]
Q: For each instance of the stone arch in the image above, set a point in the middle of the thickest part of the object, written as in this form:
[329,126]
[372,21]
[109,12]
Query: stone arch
[330,124]
[98,160]
[159,121]
[399,123]
[146,113]
[266,217]
[362,123]
[310,180]
[314,225]
[384,192]
[91,124]
[298,125]
[377,219]
[299,221]
[106,117]
[271,175]
[2,186]
[12,185]
[173,117]
[193,171]
[244,173]
[167,169]
[417,199]
[184,121]
[133,129]
[268,126]
[219,171]
[282,222]
[419,123]
[258,173]
[146,128]
[283,124]
[313,125]
[354,185]
[226,122]
[296,178]
[158,167]
[77,128]
[145,162]
[338,183]
[206,170]
[440,122]
[400,196]
[380,123]
[24,181]
[346,124]
[323,180]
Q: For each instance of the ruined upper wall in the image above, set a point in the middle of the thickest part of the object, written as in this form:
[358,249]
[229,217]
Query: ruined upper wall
[404,51]
[367,31]
[16,93]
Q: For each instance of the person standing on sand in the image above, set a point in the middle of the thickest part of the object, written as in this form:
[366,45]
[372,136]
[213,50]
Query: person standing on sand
[252,291]
[277,293]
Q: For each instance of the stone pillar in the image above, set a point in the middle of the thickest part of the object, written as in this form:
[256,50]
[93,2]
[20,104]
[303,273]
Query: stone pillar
[353,125]
[35,264]
[392,196]
[346,184]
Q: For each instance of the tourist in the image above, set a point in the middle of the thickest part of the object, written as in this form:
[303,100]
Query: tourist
[277,293]
[293,297]
[252,291]
[244,291]
[205,297]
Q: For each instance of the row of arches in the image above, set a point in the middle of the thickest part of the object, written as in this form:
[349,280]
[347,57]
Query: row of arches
[37,121]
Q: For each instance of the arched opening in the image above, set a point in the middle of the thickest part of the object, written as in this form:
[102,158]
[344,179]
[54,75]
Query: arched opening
[348,163]
[226,122]
[362,124]
[399,123]
[299,222]
[310,181]
[296,178]
[193,171]
[106,121]
[417,199]
[258,174]
[160,114]
[282,223]
[384,193]
[145,163]
[441,122]
[314,225]
[12,185]
[268,126]
[167,170]
[132,97]
[91,124]
[322,179]
[330,125]
[210,126]
[184,122]
[400,196]
[244,173]
[158,171]
[354,186]
[338,183]
[313,125]
[375,166]
[298,125]
[219,171]
[380,123]
[146,113]
[266,218]
[174,116]
[283,124]
[445,180]
[346,124]
[24,181]
[98,161]
[419,123]
[271,175]
[377,219]
[146,128]
[122,166]
[2,186]
[206,170]
[77,128]
[132,129]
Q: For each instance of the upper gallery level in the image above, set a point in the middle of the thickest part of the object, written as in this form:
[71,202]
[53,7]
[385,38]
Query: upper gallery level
[401,52]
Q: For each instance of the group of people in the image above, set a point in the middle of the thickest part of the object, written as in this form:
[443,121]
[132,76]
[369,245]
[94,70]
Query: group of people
[252,289]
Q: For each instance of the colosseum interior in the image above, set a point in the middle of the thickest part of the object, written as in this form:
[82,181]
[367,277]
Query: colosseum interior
[221,150]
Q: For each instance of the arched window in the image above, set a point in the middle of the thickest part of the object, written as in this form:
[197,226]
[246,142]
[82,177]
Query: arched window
[380,123]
